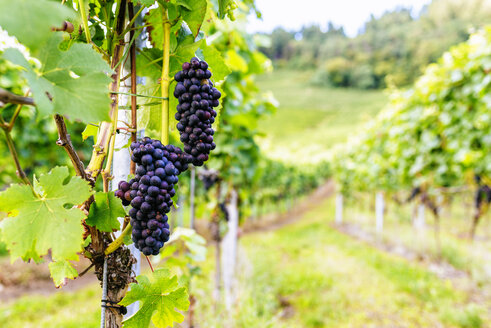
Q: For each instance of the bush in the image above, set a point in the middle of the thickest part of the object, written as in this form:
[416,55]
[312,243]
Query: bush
[339,71]
[362,77]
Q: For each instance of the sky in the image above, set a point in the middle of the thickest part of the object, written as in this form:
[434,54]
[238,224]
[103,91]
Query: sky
[351,14]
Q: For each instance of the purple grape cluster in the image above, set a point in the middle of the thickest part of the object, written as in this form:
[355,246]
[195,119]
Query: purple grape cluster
[124,192]
[150,194]
[179,158]
[208,177]
[195,112]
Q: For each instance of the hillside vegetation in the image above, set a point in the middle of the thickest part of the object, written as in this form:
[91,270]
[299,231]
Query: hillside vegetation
[310,119]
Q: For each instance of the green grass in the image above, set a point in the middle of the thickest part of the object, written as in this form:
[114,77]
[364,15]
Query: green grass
[334,281]
[62,310]
[456,249]
[311,119]
[302,275]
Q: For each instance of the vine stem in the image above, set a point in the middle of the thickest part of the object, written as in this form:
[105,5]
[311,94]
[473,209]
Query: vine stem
[106,174]
[149,263]
[10,143]
[65,141]
[132,17]
[164,79]
[113,246]
[7,97]
[81,5]
[10,126]
[134,124]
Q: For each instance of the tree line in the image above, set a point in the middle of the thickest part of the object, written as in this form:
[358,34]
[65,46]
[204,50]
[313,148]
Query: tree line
[390,50]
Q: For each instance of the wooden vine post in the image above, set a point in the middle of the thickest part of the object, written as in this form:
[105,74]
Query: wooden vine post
[229,246]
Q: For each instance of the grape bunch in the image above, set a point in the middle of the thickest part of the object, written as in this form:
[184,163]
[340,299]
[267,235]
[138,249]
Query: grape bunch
[124,192]
[195,112]
[208,177]
[179,158]
[150,193]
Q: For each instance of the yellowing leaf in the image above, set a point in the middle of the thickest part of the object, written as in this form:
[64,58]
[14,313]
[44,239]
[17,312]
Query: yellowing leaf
[60,270]
[90,131]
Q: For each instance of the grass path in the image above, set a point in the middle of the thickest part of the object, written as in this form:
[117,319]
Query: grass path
[328,279]
[305,274]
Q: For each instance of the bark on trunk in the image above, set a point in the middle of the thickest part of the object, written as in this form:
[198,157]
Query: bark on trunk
[119,276]
[192,304]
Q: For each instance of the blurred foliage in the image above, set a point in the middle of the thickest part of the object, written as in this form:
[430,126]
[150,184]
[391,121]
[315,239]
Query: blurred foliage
[238,158]
[237,154]
[434,135]
[391,49]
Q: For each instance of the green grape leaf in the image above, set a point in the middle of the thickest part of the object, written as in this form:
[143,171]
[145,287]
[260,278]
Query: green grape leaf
[87,241]
[60,270]
[175,33]
[30,21]
[215,62]
[161,297]
[105,211]
[183,36]
[183,54]
[146,3]
[194,14]
[74,79]
[38,222]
